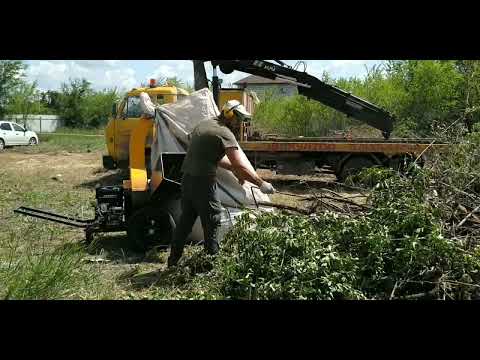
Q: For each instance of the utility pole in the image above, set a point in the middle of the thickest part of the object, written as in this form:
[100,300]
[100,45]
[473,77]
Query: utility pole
[200,75]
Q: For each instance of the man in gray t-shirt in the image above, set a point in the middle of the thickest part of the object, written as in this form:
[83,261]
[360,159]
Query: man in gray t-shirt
[211,140]
[208,143]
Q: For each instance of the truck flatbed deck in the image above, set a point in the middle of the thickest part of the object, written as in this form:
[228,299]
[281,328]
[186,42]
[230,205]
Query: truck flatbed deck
[299,156]
[343,139]
[392,146]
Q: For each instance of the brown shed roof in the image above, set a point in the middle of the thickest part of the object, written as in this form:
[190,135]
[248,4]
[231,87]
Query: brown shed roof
[252,79]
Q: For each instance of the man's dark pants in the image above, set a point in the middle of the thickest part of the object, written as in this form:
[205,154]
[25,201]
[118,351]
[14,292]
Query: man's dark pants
[199,198]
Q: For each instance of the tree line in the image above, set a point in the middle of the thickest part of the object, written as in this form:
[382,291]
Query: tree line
[76,102]
[422,95]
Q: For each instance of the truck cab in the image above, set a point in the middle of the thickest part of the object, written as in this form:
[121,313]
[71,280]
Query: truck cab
[126,115]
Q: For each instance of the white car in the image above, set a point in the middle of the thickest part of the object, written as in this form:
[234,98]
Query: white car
[14,134]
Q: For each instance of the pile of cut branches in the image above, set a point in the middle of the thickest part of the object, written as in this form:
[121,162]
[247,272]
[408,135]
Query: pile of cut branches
[416,237]
[325,199]
[456,181]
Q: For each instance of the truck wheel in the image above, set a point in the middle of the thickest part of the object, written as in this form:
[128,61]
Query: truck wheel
[354,165]
[402,163]
[109,163]
[32,141]
[2,144]
[150,226]
[89,236]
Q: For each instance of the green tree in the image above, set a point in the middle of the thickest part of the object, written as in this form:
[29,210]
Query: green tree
[469,91]
[421,94]
[71,102]
[51,100]
[430,92]
[11,76]
[98,107]
[81,106]
[26,100]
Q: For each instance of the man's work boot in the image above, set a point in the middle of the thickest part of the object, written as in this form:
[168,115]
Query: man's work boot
[212,249]
[174,258]
[172,261]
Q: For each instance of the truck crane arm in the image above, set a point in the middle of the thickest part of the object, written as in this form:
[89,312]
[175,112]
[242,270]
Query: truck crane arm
[315,89]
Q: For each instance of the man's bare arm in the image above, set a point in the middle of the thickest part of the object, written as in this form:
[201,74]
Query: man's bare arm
[235,163]
[225,163]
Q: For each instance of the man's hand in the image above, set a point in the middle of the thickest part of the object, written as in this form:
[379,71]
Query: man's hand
[267,188]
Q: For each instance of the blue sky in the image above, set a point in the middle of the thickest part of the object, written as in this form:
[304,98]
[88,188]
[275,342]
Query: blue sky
[126,74]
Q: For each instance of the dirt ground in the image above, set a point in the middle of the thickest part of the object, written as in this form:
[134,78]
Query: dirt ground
[75,169]
[84,170]
[65,183]
[65,162]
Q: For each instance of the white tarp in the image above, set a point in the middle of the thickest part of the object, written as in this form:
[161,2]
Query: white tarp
[174,124]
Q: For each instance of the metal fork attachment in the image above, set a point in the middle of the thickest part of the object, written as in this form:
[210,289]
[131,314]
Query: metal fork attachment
[49,216]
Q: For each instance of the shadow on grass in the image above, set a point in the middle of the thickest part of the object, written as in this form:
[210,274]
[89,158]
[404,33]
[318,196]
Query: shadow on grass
[107,248]
[163,278]
[170,278]
[109,178]
[115,248]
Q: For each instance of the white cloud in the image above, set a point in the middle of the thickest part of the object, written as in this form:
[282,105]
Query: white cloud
[163,71]
[79,69]
[123,78]
[49,71]
[95,64]
[112,62]
[336,68]
[339,68]
[341,63]
[182,69]
[125,75]
[101,73]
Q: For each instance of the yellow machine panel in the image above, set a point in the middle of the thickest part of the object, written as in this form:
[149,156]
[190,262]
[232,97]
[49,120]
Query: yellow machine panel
[126,118]
[241,95]
[230,94]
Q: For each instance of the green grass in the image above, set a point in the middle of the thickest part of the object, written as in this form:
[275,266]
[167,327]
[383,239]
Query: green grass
[329,257]
[36,272]
[298,116]
[74,142]
[87,131]
[71,143]
[39,260]
[42,260]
